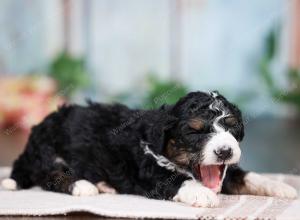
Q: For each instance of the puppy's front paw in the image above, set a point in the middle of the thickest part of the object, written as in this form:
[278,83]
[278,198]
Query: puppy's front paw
[259,185]
[84,188]
[282,190]
[195,194]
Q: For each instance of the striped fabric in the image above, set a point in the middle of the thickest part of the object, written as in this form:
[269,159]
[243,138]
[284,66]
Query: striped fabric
[36,202]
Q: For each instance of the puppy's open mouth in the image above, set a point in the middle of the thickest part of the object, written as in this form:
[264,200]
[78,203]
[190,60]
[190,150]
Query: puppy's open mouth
[211,176]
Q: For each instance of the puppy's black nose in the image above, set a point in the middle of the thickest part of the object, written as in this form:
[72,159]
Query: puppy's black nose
[224,153]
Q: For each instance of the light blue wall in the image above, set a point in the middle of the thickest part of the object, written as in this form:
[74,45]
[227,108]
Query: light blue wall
[223,46]
[22,36]
[221,42]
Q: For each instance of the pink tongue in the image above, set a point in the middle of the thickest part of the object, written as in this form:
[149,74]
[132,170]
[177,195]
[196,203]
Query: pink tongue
[210,176]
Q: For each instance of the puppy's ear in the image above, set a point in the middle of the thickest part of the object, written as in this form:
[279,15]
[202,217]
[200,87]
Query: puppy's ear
[159,131]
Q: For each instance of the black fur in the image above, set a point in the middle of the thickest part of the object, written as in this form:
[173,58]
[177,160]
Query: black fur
[104,143]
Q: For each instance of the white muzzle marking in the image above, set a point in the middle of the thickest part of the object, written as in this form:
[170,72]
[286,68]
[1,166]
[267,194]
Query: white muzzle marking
[217,140]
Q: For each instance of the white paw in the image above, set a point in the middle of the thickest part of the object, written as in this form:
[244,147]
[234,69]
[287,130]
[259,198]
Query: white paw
[84,188]
[259,185]
[194,193]
[9,184]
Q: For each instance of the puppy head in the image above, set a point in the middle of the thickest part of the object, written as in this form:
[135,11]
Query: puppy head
[205,138]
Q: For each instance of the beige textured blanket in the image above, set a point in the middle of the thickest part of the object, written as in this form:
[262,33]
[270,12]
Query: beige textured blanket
[36,202]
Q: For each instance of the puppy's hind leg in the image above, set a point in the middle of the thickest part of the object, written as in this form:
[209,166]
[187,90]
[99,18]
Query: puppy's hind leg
[63,179]
[20,176]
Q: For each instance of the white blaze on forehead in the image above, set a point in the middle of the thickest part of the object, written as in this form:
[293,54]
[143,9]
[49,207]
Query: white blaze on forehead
[217,106]
[216,124]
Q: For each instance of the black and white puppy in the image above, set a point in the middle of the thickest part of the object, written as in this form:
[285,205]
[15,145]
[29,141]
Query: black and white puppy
[185,152]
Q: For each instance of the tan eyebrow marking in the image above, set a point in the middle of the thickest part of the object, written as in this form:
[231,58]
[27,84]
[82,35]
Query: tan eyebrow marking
[196,123]
[231,120]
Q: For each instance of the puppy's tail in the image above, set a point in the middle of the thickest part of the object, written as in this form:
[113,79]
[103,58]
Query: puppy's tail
[9,184]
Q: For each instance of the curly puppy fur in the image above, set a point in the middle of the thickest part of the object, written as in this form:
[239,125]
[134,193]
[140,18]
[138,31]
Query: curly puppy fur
[144,152]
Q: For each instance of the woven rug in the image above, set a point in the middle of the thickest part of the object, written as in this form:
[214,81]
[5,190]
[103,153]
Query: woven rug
[35,202]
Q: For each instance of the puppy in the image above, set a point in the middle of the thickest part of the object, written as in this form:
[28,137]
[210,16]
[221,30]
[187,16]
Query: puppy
[186,152]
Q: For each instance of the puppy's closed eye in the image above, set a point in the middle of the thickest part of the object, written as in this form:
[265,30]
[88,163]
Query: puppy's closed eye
[196,123]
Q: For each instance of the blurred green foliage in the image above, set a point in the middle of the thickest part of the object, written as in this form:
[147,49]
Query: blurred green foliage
[69,72]
[290,96]
[163,92]
[157,93]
